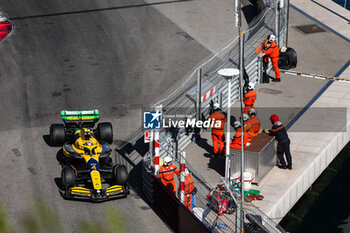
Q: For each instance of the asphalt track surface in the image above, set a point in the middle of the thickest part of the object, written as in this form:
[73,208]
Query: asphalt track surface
[108,55]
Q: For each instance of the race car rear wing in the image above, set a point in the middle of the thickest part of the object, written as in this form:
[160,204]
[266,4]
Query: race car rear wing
[83,117]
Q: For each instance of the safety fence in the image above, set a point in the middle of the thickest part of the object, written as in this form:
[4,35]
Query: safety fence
[209,213]
[202,86]
[192,98]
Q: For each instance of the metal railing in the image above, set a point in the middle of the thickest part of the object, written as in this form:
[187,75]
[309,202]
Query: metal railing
[184,97]
[206,209]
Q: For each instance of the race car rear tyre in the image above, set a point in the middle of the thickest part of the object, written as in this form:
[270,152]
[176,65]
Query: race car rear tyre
[68,177]
[105,132]
[57,135]
[120,174]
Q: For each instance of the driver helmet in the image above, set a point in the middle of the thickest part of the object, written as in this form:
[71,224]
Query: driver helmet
[86,134]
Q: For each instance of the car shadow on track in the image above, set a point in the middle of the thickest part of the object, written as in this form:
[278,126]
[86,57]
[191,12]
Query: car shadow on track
[46,139]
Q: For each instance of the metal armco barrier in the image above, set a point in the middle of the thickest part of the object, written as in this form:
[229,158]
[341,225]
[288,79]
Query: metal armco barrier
[173,212]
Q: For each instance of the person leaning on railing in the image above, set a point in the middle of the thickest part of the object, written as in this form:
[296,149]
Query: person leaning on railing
[271,51]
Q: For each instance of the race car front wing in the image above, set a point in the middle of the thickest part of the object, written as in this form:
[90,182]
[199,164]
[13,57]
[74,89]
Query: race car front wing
[115,191]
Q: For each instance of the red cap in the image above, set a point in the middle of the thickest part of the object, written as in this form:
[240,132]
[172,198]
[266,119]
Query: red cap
[274,118]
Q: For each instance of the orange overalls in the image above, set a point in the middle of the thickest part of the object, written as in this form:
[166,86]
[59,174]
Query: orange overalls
[236,141]
[249,100]
[166,175]
[189,187]
[273,52]
[217,133]
[254,129]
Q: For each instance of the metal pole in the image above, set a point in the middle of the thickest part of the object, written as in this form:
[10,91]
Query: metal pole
[238,13]
[220,98]
[345,3]
[156,153]
[151,154]
[239,213]
[199,93]
[241,67]
[227,159]
[156,146]
[277,26]
[287,22]
[259,70]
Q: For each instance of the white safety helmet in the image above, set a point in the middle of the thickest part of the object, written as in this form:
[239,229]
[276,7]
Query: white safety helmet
[251,86]
[252,112]
[245,117]
[271,38]
[216,106]
[167,160]
[236,124]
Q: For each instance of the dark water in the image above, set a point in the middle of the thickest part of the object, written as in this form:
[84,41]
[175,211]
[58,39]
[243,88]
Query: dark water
[342,3]
[325,207]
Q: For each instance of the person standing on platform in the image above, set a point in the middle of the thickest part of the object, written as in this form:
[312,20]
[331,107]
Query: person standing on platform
[249,98]
[271,51]
[283,142]
[217,132]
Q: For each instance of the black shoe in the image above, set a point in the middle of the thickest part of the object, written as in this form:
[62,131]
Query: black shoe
[276,80]
[289,167]
[281,166]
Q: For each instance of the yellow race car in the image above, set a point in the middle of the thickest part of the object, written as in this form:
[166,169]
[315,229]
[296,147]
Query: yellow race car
[88,172]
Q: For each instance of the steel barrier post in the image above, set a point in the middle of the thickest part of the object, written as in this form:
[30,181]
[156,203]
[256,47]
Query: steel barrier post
[241,67]
[156,145]
[277,26]
[199,93]
[287,22]
[156,153]
[259,70]
[220,98]
[182,177]
[151,153]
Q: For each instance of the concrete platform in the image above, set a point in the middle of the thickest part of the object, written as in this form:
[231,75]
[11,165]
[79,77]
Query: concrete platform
[315,148]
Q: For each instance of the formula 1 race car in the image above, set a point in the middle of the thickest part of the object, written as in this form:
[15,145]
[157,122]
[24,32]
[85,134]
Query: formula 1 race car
[87,165]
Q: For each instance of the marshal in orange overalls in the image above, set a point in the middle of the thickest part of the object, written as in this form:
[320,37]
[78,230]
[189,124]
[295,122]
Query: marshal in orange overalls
[189,187]
[217,133]
[166,175]
[236,141]
[272,52]
[249,100]
[254,129]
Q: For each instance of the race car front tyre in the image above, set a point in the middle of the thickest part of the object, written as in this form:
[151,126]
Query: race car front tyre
[57,135]
[120,174]
[105,132]
[68,177]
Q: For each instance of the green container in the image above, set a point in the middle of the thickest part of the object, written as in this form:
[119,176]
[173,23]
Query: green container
[254,192]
